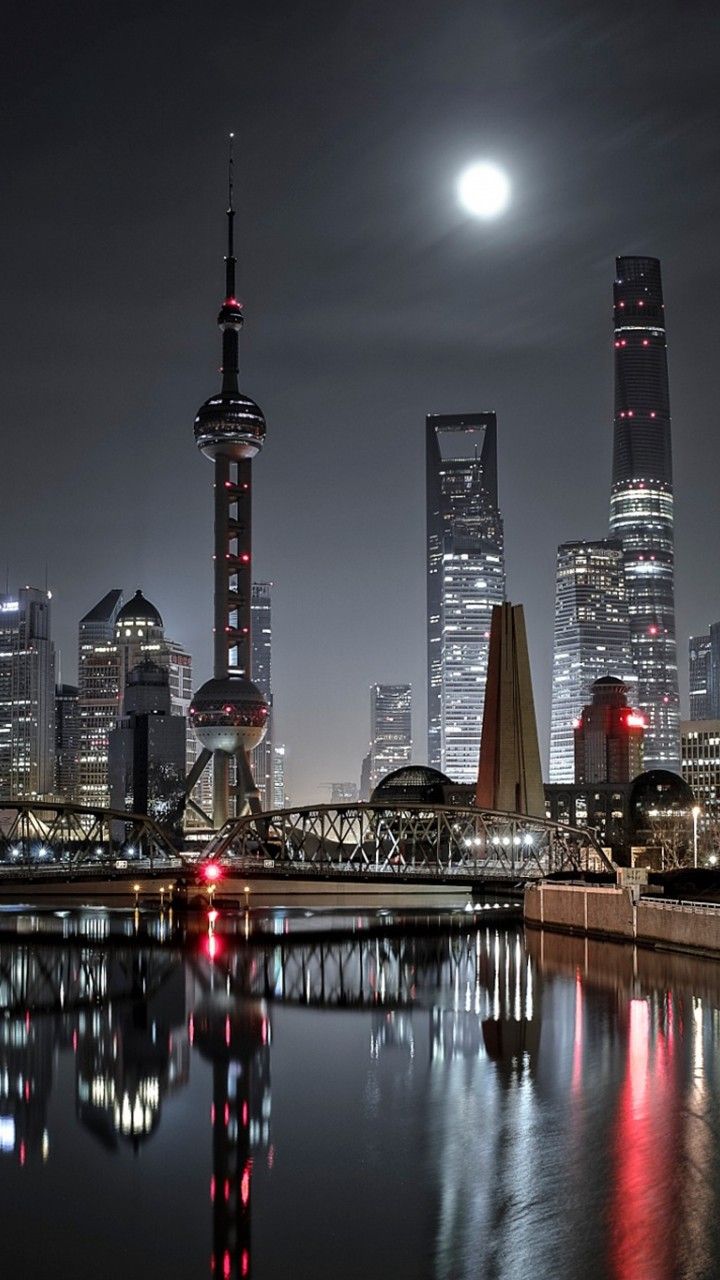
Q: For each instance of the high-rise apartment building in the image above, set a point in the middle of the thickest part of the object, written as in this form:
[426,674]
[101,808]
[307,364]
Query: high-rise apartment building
[591,638]
[27,696]
[699,663]
[98,697]
[465,579]
[641,504]
[700,764]
[390,729]
[608,736]
[146,748]
[261,674]
[280,797]
[67,741]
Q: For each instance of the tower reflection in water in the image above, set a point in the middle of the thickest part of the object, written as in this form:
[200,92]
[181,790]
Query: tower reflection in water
[566,1082]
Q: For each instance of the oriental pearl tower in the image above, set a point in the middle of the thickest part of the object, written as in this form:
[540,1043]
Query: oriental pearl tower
[229,713]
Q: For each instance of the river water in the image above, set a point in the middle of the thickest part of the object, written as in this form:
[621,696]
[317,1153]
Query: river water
[341,1097]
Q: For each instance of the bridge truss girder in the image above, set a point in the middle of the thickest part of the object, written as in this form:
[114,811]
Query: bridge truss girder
[441,842]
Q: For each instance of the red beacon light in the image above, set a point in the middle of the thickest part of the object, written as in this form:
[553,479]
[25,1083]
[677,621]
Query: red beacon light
[212,872]
[635,721]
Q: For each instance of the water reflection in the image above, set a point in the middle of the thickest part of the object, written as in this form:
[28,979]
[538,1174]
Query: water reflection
[544,1106]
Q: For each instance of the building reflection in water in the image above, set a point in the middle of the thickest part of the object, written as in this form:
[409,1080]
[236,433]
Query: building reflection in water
[568,1082]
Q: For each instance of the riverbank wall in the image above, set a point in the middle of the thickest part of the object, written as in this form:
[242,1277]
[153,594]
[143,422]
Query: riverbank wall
[619,914]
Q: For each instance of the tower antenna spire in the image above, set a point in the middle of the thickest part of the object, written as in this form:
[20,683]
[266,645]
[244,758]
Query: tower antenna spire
[230,257]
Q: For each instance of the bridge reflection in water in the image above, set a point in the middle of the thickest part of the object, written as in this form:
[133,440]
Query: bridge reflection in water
[630,1115]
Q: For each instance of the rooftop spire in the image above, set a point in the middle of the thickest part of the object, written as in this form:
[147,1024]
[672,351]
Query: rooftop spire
[230,256]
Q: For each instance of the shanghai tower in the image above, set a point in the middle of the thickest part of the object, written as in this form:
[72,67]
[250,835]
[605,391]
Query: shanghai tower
[641,503]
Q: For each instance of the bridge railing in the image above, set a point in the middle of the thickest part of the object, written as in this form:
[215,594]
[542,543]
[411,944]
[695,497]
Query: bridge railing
[407,840]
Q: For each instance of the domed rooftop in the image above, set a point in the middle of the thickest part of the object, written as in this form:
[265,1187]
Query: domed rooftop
[138,612]
[232,421]
[659,790]
[411,784]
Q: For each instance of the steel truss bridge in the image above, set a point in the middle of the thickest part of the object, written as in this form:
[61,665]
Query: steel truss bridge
[409,842]
[44,836]
[437,844]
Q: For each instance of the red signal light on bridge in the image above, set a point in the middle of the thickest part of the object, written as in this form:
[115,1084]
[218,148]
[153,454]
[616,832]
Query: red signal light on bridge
[211,872]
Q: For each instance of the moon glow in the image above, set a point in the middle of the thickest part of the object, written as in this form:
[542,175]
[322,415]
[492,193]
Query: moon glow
[483,189]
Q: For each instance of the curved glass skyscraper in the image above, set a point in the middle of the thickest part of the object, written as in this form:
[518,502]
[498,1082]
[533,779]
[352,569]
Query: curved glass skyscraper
[641,504]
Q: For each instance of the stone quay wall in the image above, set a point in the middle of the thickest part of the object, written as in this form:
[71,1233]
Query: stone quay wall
[615,913]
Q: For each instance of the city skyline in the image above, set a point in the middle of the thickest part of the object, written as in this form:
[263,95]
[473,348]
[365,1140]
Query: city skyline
[407,307]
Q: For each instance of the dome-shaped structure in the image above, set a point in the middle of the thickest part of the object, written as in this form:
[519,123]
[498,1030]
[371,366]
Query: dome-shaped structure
[230,423]
[229,713]
[138,616]
[658,792]
[411,784]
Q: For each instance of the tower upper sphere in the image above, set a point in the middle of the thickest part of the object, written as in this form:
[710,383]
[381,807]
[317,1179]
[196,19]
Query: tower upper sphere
[229,423]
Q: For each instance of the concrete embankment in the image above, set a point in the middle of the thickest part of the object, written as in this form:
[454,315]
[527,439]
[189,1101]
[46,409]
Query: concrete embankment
[608,912]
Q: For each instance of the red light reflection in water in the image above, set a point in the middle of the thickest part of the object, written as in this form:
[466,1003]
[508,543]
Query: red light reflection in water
[642,1197]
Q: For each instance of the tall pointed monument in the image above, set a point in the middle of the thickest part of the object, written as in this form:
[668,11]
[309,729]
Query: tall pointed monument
[509,776]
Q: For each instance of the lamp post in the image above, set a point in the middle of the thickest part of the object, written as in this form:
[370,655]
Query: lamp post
[696,815]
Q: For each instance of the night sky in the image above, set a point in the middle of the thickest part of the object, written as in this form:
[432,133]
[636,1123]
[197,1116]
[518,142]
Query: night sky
[370,300]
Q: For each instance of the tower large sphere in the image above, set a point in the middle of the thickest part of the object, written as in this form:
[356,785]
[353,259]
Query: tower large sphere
[229,423]
[229,713]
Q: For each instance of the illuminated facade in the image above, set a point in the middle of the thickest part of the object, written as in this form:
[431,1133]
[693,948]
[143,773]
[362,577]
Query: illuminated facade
[390,729]
[280,798]
[147,761]
[700,763]
[261,673]
[67,741]
[608,736]
[98,697]
[699,667]
[641,504]
[591,638]
[27,695]
[465,579]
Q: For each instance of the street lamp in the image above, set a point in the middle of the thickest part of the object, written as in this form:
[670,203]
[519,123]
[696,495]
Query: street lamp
[696,815]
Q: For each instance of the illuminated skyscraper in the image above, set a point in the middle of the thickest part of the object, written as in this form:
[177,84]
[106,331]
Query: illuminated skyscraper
[641,504]
[67,741]
[261,674]
[98,697]
[465,579]
[592,638]
[699,665]
[27,695]
[390,729]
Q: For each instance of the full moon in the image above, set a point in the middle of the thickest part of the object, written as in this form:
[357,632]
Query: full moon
[483,189]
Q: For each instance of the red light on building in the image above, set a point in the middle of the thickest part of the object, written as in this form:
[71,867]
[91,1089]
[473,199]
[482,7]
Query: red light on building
[652,630]
[635,721]
[245,1185]
[245,1263]
[212,872]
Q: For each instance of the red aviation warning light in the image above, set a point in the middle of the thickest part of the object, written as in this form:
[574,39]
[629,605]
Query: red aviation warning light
[635,721]
[211,872]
